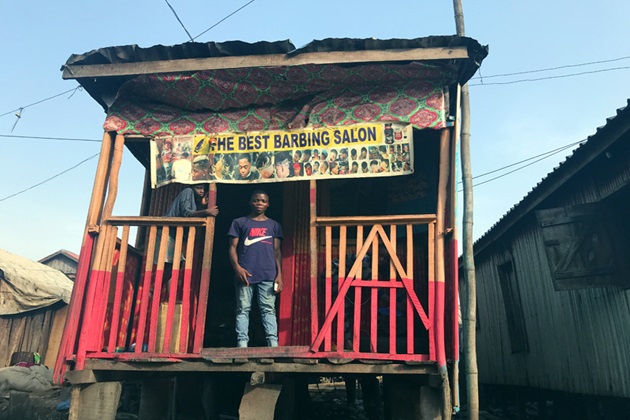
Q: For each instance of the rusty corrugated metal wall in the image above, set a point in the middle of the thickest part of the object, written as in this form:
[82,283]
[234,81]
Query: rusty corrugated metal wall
[578,340]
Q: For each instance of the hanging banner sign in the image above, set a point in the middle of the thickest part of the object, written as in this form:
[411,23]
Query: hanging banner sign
[365,150]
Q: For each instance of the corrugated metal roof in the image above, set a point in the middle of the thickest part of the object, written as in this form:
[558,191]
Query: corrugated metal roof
[104,89]
[583,154]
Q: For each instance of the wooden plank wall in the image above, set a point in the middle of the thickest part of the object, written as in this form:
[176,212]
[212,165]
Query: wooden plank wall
[28,331]
[579,340]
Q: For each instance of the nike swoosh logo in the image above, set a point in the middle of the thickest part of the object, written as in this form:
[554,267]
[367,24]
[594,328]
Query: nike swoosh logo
[249,242]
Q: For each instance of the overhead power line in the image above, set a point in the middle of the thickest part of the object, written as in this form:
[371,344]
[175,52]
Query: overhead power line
[20,109]
[11,136]
[590,63]
[550,152]
[540,157]
[550,77]
[49,179]
[231,14]
[179,20]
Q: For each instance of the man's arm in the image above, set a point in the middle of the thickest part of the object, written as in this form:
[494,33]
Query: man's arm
[277,251]
[213,211]
[240,272]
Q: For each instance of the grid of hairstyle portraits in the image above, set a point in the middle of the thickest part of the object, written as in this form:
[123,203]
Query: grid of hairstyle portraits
[175,162]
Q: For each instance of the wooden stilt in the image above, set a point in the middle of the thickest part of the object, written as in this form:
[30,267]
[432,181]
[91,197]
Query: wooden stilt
[440,272]
[204,287]
[70,337]
[313,252]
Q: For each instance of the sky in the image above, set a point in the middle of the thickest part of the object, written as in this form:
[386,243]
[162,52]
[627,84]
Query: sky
[512,120]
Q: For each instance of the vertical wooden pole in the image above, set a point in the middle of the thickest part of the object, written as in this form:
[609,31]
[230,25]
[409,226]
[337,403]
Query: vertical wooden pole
[340,279]
[154,310]
[431,288]
[313,251]
[112,190]
[392,292]
[470,300]
[118,291]
[204,287]
[356,333]
[172,293]
[70,339]
[87,328]
[101,308]
[328,285]
[186,298]
[440,270]
[454,266]
[146,289]
[374,297]
[410,311]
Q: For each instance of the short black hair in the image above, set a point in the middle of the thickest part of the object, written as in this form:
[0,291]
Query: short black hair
[256,192]
[244,156]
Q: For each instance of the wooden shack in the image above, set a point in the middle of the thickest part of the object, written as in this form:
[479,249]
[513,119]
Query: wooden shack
[369,250]
[33,306]
[553,278]
[64,261]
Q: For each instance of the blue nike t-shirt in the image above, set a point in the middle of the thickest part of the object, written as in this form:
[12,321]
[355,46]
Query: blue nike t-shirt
[255,246]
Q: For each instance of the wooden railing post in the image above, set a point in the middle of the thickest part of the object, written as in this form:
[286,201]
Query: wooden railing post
[70,337]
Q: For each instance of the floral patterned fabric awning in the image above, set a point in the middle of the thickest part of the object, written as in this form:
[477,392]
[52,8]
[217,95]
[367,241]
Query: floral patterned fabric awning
[281,98]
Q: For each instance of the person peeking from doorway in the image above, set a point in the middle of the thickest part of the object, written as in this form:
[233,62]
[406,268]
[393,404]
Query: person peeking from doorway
[255,255]
[190,202]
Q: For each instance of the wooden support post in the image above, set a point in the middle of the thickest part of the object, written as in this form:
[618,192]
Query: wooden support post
[440,271]
[328,284]
[112,190]
[454,266]
[69,340]
[94,401]
[313,252]
[204,287]
[340,277]
[186,299]
[392,292]
[155,399]
[356,332]
[374,297]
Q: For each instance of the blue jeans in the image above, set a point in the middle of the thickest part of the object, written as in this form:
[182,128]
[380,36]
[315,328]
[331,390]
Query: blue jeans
[267,305]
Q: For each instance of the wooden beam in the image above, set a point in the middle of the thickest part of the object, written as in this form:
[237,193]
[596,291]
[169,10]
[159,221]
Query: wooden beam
[376,220]
[134,368]
[267,60]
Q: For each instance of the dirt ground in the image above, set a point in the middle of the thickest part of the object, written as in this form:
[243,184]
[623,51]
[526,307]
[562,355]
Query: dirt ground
[329,402]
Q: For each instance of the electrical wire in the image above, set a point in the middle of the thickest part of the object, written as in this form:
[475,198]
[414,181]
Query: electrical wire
[12,136]
[231,14]
[49,179]
[554,151]
[590,63]
[550,77]
[519,168]
[179,20]
[43,100]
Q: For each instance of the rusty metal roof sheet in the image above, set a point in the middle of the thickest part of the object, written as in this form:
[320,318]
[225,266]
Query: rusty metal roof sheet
[584,153]
[104,89]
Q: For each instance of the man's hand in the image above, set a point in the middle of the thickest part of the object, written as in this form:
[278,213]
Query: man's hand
[212,211]
[242,276]
[278,284]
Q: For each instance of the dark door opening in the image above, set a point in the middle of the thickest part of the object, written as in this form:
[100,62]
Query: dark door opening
[233,202]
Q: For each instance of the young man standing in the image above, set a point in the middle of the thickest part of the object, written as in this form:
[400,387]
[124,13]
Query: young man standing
[256,257]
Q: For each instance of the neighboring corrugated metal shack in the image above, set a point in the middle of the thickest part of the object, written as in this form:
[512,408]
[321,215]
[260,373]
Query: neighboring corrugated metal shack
[553,278]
